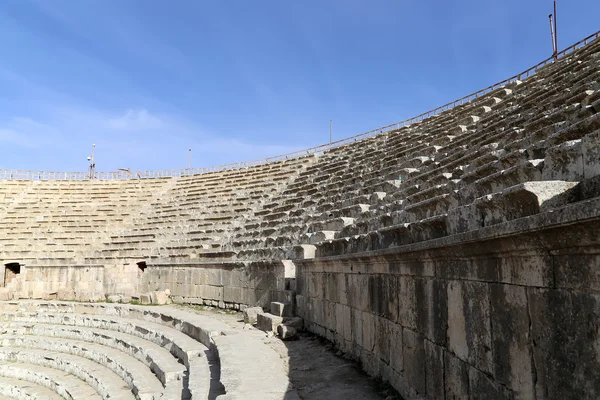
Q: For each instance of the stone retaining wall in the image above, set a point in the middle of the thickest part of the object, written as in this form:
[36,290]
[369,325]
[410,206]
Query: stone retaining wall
[72,282]
[509,311]
[224,284]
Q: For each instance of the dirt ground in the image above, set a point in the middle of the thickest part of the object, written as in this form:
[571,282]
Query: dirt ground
[316,370]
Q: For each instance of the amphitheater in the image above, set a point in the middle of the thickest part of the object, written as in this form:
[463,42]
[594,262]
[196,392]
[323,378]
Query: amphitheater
[455,255]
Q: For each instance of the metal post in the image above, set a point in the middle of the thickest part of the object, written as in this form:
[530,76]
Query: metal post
[555,33]
[552,34]
[189,158]
[92,163]
[330,122]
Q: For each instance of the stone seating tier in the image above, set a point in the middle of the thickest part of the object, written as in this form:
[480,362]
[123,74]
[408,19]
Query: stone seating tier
[78,350]
[532,130]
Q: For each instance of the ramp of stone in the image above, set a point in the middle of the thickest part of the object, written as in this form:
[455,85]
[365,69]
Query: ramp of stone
[149,338]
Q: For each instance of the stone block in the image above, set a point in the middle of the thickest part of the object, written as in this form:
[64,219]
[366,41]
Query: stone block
[469,330]
[564,328]
[414,360]
[482,387]
[145,299]
[286,332]
[178,299]
[564,162]
[114,298]
[591,154]
[282,309]
[295,322]
[396,348]
[407,314]
[268,322]
[456,382]
[513,362]
[160,297]
[434,370]
[250,314]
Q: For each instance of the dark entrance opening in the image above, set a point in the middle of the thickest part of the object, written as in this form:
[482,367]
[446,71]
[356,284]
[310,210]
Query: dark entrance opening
[11,270]
[142,265]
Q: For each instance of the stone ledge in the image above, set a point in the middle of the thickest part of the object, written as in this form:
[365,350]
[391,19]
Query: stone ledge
[587,210]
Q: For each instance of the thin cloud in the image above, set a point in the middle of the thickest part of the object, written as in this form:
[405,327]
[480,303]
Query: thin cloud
[136,120]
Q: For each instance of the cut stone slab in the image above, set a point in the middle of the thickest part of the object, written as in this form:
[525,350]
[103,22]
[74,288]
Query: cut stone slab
[268,322]
[114,298]
[250,314]
[160,297]
[145,299]
[281,309]
[295,322]
[286,332]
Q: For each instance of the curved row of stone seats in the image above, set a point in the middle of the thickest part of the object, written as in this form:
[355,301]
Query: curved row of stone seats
[188,351]
[124,331]
[449,161]
[50,387]
[143,383]
[67,219]
[103,380]
[526,131]
[201,211]
[155,357]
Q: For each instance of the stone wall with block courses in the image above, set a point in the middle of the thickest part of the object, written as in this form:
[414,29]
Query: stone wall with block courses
[503,316]
[72,282]
[224,284]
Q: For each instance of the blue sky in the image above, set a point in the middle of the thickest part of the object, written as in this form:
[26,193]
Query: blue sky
[237,80]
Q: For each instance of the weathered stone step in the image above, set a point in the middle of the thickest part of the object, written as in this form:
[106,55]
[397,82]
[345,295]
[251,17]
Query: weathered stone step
[109,386]
[143,383]
[12,388]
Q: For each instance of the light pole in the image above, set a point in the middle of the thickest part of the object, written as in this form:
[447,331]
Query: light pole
[554,32]
[92,162]
[189,158]
[330,123]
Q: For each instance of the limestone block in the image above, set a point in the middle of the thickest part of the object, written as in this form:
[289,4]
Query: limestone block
[510,345]
[145,299]
[178,299]
[286,332]
[268,322]
[414,359]
[456,382]
[295,322]
[434,369]
[301,306]
[250,314]
[159,297]
[591,154]
[481,386]
[114,298]
[567,360]
[282,309]
[564,162]
[523,200]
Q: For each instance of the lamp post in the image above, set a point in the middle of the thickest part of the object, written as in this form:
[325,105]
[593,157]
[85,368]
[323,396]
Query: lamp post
[189,158]
[92,162]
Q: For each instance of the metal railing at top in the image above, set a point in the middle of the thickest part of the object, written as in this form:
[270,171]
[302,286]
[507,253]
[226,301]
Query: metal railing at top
[120,175]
